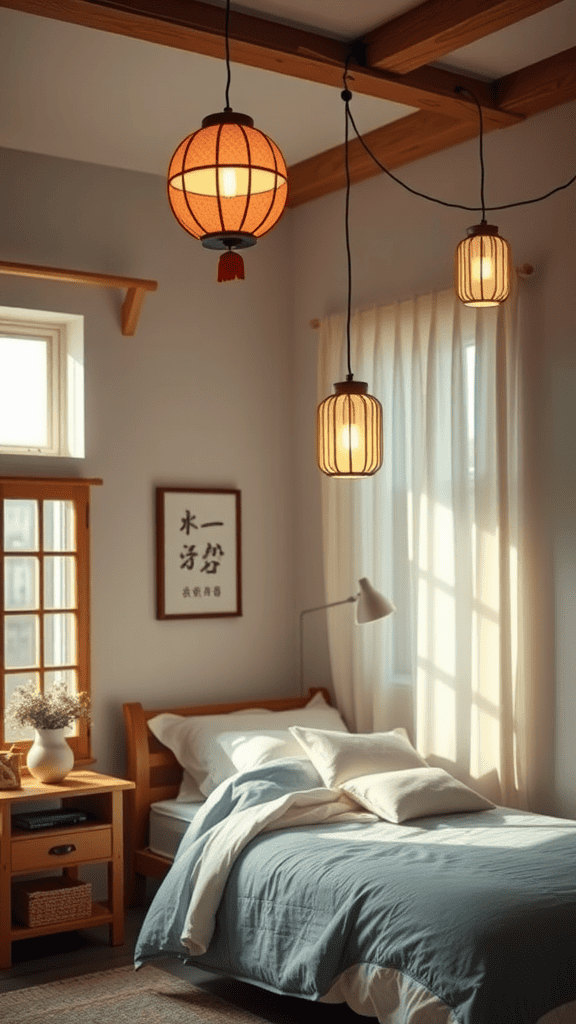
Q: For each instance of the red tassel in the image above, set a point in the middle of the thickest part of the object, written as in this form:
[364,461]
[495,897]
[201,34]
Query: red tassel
[230,266]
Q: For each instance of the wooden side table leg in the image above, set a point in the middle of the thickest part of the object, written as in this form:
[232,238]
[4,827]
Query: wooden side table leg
[5,889]
[116,872]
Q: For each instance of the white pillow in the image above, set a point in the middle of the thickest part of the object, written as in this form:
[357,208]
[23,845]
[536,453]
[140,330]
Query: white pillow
[414,793]
[189,792]
[339,757]
[194,739]
[247,750]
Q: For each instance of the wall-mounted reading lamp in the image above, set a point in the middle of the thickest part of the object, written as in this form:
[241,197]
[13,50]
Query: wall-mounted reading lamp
[371,605]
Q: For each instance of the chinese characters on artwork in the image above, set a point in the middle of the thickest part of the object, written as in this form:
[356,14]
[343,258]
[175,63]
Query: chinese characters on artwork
[201,592]
[207,559]
[198,553]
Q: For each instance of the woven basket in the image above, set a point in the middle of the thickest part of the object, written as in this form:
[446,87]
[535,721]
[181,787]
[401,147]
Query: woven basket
[51,900]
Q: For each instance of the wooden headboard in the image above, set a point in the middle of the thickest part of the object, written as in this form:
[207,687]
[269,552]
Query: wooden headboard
[157,774]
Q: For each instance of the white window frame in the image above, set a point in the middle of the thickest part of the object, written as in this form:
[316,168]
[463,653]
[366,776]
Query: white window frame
[64,333]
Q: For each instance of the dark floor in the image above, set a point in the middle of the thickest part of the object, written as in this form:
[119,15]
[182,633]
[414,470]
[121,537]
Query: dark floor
[69,954]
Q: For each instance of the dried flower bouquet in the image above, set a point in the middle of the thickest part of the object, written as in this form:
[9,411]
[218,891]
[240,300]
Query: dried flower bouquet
[55,709]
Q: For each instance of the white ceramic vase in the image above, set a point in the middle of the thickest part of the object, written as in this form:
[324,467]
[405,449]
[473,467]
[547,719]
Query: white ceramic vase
[50,758]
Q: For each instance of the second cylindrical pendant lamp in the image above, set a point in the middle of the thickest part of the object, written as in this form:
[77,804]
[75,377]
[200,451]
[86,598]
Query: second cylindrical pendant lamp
[483,260]
[349,435]
[227,183]
[349,431]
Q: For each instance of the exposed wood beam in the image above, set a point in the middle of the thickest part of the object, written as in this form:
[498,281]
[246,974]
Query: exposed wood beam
[199,28]
[541,86]
[435,28]
[538,87]
[136,287]
[395,144]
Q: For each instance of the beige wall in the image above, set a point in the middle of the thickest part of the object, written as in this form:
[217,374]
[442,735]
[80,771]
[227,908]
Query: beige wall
[200,396]
[218,388]
[403,245]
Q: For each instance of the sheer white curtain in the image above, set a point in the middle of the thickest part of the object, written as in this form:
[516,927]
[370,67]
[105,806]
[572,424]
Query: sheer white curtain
[437,531]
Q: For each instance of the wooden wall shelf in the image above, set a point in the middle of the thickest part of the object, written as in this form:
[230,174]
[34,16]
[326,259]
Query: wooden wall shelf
[136,287]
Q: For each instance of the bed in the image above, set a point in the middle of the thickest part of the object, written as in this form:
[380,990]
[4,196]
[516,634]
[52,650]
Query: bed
[301,887]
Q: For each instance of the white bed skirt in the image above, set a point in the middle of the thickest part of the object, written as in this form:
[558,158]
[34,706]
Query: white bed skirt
[394,998]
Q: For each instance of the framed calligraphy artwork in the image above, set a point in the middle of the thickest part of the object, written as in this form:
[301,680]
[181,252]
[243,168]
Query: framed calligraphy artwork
[198,555]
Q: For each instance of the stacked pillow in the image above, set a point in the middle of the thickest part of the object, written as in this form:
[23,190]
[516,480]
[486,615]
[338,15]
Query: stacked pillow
[212,748]
[384,773]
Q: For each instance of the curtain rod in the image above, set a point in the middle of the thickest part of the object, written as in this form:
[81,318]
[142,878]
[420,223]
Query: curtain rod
[524,271]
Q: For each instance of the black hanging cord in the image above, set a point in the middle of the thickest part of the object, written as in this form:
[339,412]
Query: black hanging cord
[442,202]
[347,96]
[461,88]
[227,40]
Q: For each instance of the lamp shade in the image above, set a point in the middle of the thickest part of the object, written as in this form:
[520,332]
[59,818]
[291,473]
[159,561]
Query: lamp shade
[372,604]
[483,262]
[349,432]
[227,182]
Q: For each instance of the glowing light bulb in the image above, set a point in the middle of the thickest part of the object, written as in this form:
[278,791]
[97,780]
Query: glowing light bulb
[482,269]
[350,438]
[228,182]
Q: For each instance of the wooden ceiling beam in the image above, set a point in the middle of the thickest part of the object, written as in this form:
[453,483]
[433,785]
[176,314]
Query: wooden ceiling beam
[435,28]
[529,91]
[401,142]
[541,86]
[199,28]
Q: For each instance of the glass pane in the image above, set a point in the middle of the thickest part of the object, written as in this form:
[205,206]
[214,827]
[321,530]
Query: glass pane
[59,581]
[21,583]
[24,406]
[59,526]
[20,524]
[70,678]
[21,635]
[13,733]
[60,639]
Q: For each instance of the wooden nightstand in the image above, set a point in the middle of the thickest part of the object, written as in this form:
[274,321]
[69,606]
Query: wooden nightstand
[98,840]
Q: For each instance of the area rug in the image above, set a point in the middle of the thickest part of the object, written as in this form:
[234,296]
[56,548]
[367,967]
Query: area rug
[119,996]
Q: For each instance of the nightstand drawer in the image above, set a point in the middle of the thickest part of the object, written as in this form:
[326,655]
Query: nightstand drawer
[60,849]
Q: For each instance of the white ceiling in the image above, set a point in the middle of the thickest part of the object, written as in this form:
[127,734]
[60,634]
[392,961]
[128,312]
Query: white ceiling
[88,95]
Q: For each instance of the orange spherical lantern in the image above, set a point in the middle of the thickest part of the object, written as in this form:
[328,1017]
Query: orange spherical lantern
[227,186]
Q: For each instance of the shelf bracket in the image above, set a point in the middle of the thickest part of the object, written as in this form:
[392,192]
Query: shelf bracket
[136,287]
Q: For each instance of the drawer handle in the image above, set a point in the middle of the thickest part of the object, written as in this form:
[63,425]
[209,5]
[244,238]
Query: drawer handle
[60,851]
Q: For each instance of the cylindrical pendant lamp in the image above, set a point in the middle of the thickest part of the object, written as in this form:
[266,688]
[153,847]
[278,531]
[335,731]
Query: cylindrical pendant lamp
[483,262]
[349,431]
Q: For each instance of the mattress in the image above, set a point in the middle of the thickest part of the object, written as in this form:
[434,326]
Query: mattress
[169,820]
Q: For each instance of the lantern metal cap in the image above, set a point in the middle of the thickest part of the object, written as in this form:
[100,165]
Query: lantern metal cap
[228,240]
[228,116]
[351,387]
[482,229]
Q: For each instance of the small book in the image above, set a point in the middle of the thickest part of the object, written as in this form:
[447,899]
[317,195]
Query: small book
[34,820]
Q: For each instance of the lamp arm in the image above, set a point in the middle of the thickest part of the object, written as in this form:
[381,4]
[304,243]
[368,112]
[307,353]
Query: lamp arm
[306,611]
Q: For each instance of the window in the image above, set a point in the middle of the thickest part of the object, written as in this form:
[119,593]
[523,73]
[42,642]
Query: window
[44,593]
[41,383]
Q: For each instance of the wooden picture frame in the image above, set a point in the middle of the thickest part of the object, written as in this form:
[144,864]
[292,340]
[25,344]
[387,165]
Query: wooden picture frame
[198,553]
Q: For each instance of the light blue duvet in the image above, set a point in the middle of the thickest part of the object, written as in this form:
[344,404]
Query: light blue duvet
[475,911]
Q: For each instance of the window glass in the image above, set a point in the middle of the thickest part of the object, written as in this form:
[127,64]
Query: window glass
[59,526]
[13,681]
[59,581]
[41,383]
[20,525]
[25,412]
[21,583]
[21,641]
